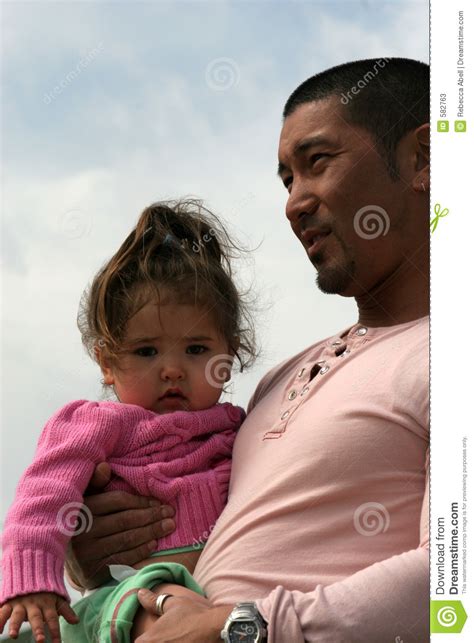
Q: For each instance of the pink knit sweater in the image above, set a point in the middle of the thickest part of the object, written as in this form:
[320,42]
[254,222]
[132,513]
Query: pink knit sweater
[181,458]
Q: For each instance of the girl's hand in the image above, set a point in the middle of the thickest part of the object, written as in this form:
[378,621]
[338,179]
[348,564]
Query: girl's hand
[38,609]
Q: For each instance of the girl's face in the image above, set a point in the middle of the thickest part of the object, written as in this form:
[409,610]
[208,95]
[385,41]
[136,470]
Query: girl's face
[173,360]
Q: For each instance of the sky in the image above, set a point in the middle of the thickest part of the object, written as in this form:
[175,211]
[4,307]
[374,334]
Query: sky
[109,106]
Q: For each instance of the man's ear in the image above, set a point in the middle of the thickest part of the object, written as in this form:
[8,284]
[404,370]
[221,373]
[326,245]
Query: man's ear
[421,180]
[105,366]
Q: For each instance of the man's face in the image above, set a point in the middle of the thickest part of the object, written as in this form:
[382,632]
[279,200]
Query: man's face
[332,170]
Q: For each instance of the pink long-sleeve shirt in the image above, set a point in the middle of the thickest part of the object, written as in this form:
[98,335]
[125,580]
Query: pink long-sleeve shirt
[326,525]
[181,458]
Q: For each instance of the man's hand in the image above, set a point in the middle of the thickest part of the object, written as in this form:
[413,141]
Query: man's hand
[38,609]
[124,531]
[185,619]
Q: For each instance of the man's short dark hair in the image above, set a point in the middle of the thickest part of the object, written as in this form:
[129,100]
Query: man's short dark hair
[388,97]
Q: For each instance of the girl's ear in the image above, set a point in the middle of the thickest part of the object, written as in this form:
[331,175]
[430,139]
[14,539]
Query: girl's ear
[105,367]
[232,351]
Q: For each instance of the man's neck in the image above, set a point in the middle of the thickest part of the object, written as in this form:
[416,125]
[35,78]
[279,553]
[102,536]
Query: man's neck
[401,298]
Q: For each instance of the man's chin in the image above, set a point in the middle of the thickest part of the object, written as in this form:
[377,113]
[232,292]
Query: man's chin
[335,281]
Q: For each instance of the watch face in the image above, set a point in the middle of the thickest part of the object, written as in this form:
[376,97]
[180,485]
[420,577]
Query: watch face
[243,632]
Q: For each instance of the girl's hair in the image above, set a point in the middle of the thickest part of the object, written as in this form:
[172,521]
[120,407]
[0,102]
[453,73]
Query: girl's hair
[180,249]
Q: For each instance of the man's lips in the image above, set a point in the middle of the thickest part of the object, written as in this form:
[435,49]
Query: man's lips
[314,238]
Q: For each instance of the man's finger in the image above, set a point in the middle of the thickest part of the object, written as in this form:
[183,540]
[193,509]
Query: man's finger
[100,478]
[128,540]
[111,502]
[148,601]
[97,571]
[143,540]
[133,519]
[130,556]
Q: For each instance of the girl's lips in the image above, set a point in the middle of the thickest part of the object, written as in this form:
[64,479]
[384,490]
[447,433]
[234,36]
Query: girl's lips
[172,401]
[172,392]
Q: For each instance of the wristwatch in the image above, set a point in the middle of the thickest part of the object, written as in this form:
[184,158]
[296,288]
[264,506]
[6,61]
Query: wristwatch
[244,625]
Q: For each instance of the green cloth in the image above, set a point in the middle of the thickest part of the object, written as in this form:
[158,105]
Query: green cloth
[107,614]
[179,550]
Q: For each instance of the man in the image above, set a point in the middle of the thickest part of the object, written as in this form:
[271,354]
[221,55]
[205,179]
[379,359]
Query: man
[326,527]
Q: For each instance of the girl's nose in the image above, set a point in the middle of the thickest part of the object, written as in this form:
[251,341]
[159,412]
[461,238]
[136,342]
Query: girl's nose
[172,373]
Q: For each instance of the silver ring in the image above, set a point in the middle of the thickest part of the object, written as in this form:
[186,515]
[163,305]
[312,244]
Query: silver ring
[159,603]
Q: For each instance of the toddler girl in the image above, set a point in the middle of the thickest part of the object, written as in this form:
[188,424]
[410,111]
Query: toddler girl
[164,321]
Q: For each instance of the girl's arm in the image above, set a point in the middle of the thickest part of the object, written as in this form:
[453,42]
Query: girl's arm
[47,508]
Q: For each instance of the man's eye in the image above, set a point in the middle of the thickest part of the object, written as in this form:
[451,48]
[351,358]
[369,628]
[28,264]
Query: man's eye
[146,351]
[287,182]
[196,349]
[314,158]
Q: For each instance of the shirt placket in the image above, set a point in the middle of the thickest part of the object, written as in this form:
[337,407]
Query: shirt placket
[336,348]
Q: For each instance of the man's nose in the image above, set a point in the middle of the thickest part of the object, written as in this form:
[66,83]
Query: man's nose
[300,202]
[171,372]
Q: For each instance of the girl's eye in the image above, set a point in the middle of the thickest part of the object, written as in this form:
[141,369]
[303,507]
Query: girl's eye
[146,351]
[196,349]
